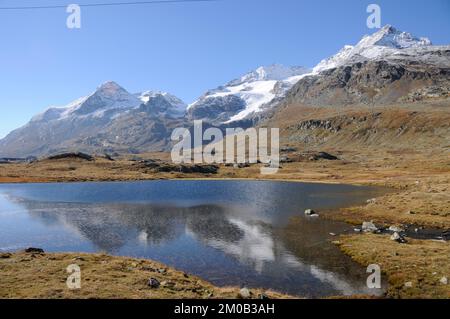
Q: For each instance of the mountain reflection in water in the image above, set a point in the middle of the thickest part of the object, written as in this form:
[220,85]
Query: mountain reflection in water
[244,241]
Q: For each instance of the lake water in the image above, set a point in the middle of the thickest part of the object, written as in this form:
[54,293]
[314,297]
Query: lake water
[251,233]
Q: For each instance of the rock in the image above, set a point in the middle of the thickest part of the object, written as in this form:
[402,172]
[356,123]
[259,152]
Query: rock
[34,250]
[244,293]
[369,227]
[410,212]
[444,280]
[310,212]
[78,155]
[332,234]
[396,229]
[408,284]
[241,165]
[108,157]
[288,149]
[263,296]
[446,235]
[371,201]
[5,255]
[153,283]
[357,230]
[324,156]
[398,238]
[78,259]
[162,271]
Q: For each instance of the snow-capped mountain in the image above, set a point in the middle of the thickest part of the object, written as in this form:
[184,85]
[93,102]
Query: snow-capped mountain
[158,102]
[108,99]
[385,68]
[110,118]
[247,95]
[387,41]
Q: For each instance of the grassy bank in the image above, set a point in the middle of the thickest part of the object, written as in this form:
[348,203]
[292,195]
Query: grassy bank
[414,270]
[31,275]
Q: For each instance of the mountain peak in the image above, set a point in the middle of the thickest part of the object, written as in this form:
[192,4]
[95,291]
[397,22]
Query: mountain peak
[388,40]
[388,36]
[110,88]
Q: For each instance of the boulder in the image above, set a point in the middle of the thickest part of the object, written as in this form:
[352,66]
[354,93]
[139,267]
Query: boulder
[444,280]
[244,293]
[369,227]
[322,156]
[398,238]
[153,283]
[310,212]
[396,229]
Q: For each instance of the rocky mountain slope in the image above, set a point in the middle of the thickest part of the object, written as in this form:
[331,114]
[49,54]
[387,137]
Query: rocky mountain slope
[247,96]
[387,68]
[108,120]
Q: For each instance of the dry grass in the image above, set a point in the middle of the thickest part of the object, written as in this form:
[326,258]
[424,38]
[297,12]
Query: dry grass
[25,275]
[421,262]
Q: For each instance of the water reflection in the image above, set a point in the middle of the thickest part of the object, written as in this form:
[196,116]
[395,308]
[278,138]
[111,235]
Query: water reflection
[228,244]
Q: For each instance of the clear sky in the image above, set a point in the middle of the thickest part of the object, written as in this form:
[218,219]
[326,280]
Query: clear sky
[184,49]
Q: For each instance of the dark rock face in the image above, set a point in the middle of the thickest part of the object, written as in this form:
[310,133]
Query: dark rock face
[377,82]
[82,156]
[157,166]
[216,109]
[34,250]
[324,156]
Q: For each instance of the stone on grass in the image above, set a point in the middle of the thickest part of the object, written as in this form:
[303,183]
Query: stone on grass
[309,212]
[398,238]
[369,227]
[408,284]
[244,293]
[444,280]
[153,283]
[396,229]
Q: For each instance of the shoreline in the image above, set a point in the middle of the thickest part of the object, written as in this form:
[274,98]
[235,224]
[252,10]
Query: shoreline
[418,195]
[44,275]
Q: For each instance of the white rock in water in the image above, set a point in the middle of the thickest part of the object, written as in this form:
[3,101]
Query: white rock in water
[444,281]
[369,227]
[396,229]
[310,212]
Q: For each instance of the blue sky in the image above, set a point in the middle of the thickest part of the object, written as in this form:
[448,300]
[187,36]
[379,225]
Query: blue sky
[184,49]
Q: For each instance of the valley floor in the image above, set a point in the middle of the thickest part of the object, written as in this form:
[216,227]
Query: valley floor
[420,196]
[417,173]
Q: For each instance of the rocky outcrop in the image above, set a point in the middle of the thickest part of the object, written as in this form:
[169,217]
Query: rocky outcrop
[379,82]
